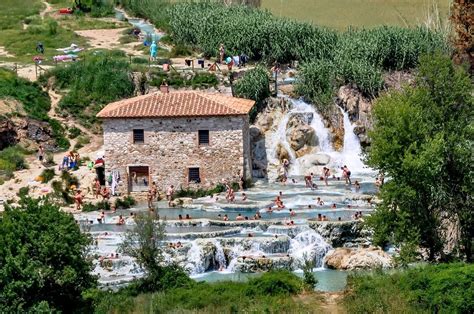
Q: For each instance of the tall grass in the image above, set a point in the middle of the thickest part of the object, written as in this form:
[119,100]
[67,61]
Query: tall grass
[446,288]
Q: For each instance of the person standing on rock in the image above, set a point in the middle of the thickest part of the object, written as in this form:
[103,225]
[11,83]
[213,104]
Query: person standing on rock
[78,199]
[150,199]
[326,175]
[40,153]
[169,194]
[346,173]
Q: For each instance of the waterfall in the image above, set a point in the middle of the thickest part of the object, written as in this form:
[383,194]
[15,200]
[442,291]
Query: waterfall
[316,123]
[195,259]
[350,155]
[352,152]
[219,255]
[308,244]
[279,137]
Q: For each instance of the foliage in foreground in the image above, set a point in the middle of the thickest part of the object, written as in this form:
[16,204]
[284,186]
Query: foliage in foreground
[42,259]
[422,140]
[270,293]
[445,288]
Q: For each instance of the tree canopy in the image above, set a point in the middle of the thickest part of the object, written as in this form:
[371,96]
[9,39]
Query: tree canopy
[42,259]
[423,141]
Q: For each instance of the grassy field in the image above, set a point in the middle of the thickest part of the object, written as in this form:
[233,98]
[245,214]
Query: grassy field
[341,14]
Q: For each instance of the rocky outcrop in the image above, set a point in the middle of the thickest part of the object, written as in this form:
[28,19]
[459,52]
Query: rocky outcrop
[360,258]
[343,233]
[359,109]
[8,134]
[182,201]
[313,163]
[250,264]
[26,132]
[300,134]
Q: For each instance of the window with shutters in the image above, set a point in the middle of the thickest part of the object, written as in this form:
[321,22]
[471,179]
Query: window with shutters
[193,175]
[203,137]
[138,136]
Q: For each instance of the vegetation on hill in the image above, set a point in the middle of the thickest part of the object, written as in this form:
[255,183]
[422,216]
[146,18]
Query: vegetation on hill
[11,159]
[254,85]
[422,140]
[445,288]
[35,102]
[92,83]
[42,259]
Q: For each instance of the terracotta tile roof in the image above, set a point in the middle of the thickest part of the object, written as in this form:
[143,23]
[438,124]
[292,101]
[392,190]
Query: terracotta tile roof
[177,104]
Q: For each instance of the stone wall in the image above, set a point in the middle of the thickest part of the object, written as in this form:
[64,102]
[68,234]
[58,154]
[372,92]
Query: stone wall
[171,147]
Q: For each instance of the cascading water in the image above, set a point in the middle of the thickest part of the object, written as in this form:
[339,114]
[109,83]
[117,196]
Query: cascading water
[352,152]
[308,245]
[350,155]
[219,256]
[195,258]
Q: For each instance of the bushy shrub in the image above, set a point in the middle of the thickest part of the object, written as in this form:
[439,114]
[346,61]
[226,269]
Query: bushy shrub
[69,179]
[47,175]
[15,156]
[317,80]
[125,202]
[23,191]
[99,206]
[180,51]
[219,188]
[35,101]
[74,132]
[255,85]
[275,283]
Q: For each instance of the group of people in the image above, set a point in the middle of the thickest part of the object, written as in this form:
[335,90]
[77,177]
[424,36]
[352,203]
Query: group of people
[152,195]
[70,161]
[238,60]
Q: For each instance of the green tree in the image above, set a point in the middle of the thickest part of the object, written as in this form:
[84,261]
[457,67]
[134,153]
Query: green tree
[43,261]
[144,243]
[423,141]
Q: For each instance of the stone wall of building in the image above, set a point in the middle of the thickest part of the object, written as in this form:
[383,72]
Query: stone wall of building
[171,147]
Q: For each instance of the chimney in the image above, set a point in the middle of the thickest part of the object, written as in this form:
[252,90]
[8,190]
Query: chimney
[164,88]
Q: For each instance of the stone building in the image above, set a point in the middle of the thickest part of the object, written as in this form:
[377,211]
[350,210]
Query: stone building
[188,139]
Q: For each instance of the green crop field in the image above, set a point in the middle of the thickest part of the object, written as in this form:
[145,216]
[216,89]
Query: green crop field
[341,14]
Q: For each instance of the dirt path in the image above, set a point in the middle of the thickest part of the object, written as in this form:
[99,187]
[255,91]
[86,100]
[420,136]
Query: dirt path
[324,302]
[46,10]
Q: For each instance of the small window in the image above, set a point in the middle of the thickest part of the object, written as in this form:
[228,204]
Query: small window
[194,175]
[138,136]
[203,137]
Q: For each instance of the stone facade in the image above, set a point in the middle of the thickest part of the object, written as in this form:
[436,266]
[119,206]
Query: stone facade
[171,147]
